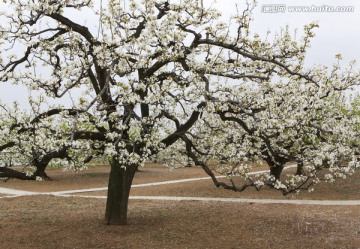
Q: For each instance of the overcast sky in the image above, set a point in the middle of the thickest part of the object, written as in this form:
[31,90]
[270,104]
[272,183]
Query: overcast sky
[339,32]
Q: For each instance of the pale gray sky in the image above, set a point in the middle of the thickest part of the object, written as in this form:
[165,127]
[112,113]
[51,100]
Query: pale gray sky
[338,32]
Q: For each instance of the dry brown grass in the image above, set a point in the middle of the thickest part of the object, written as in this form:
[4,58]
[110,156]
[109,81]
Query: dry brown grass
[73,222]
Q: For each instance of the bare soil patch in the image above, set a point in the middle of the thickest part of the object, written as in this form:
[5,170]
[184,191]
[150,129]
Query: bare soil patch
[341,190]
[97,177]
[63,180]
[73,222]
[53,222]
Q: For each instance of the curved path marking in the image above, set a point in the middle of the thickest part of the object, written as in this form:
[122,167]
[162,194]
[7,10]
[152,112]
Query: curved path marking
[9,191]
[157,183]
[236,200]
[12,193]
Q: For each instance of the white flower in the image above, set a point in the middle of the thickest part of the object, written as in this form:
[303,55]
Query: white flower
[38,178]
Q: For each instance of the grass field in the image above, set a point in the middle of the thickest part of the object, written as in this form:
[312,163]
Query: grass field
[73,222]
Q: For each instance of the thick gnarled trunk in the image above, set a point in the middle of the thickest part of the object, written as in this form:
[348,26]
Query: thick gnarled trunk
[276,164]
[120,180]
[276,168]
[299,169]
[40,171]
[276,171]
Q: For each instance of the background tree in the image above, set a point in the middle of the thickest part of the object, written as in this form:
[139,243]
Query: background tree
[33,138]
[286,122]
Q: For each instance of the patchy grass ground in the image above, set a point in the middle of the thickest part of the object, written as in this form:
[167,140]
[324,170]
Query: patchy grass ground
[73,222]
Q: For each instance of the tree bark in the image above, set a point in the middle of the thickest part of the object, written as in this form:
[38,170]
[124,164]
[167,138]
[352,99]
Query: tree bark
[42,163]
[40,168]
[11,173]
[120,180]
[299,168]
[276,167]
[276,170]
[40,171]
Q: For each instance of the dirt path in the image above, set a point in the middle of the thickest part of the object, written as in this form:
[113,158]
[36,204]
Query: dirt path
[11,193]
[155,183]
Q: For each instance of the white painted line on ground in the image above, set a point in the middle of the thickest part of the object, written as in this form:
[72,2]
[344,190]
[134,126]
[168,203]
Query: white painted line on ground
[20,192]
[12,193]
[235,200]
[17,193]
[82,196]
[260,201]
[156,183]
[9,191]
[197,179]
[76,191]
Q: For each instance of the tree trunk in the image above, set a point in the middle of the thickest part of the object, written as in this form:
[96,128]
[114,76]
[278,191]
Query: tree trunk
[120,180]
[40,171]
[276,167]
[276,170]
[299,168]
[276,164]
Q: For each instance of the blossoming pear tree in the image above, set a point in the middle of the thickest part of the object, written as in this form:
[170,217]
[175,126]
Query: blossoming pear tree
[312,125]
[34,138]
[153,74]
